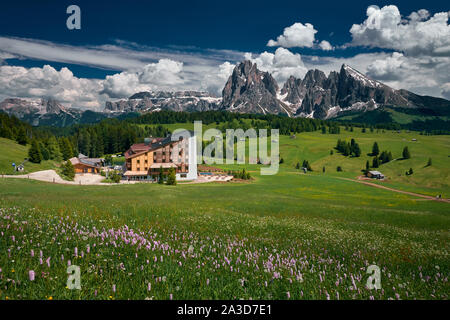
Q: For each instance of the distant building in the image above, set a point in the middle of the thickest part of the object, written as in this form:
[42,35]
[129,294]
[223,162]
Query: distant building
[83,164]
[375,175]
[145,160]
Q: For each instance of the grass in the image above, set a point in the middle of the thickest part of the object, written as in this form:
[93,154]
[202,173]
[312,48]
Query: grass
[287,236]
[14,152]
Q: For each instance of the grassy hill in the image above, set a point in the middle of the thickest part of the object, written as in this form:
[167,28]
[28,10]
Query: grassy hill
[14,152]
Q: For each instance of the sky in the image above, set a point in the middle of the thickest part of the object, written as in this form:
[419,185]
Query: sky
[124,47]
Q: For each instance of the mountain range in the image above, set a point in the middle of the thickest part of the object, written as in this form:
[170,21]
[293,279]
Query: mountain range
[347,94]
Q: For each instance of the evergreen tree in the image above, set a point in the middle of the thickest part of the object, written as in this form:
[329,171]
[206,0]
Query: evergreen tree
[34,153]
[297,166]
[366,171]
[323,169]
[406,154]
[44,151]
[375,162]
[324,130]
[53,149]
[430,162]
[411,171]
[21,137]
[375,149]
[171,178]
[68,170]
[66,148]
[356,150]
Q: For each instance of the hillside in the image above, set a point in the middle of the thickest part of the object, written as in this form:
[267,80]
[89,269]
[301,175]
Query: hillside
[14,152]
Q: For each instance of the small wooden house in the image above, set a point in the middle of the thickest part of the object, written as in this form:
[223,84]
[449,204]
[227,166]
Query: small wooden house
[86,165]
[375,175]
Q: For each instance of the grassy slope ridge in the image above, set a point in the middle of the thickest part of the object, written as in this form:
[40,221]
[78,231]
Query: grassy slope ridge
[10,152]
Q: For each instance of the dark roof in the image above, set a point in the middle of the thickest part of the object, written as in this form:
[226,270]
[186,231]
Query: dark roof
[139,148]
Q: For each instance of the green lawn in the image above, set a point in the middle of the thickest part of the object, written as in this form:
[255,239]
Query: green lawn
[10,152]
[284,236]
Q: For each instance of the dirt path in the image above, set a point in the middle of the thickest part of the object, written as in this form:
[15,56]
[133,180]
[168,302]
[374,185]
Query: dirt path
[52,176]
[396,190]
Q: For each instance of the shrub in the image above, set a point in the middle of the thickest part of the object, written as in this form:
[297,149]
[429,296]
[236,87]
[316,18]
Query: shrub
[339,169]
[171,178]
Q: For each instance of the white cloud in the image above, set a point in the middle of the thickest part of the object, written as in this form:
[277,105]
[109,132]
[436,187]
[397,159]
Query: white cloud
[419,34]
[122,55]
[164,75]
[48,82]
[446,90]
[297,35]
[282,64]
[325,45]
[300,35]
[387,68]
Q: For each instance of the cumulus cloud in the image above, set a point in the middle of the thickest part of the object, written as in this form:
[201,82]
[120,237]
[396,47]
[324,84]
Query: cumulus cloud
[300,35]
[388,68]
[418,34]
[282,64]
[297,35]
[48,82]
[325,45]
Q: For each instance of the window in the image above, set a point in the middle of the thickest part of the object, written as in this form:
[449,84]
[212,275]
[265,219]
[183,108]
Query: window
[138,161]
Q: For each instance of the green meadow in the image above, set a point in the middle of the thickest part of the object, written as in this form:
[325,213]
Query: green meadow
[286,236]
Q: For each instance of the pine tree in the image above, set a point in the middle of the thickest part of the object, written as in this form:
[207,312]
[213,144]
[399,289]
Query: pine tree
[323,169]
[356,150]
[68,170]
[366,171]
[430,162]
[411,171]
[375,149]
[406,154]
[21,137]
[44,151]
[171,178]
[297,166]
[66,148]
[53,149]
[375,162]
[34,153]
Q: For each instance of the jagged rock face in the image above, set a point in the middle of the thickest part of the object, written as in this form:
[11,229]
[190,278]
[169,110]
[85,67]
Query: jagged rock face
[41,111]
[163,100]
[325,97]
[249,90]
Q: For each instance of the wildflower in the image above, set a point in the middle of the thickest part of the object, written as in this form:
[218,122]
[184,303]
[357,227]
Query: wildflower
[31,274]
[288,295]
[114,288]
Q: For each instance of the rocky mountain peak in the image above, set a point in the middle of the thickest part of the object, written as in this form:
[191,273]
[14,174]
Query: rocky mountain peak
[249,90]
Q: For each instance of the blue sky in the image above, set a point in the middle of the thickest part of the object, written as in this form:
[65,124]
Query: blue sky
[118,38]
